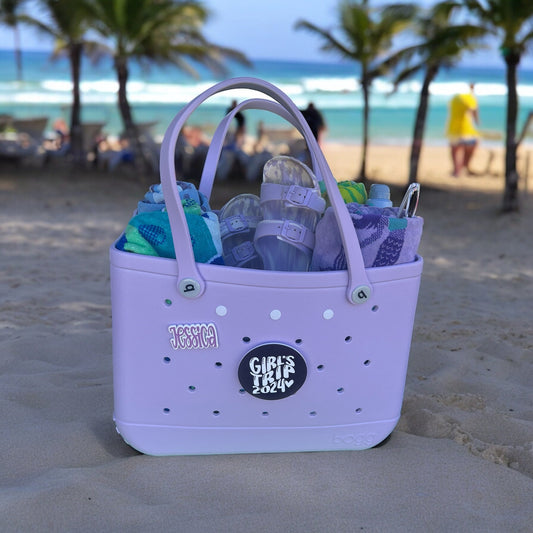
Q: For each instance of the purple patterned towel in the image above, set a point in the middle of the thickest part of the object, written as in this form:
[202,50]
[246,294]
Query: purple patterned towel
[384,238]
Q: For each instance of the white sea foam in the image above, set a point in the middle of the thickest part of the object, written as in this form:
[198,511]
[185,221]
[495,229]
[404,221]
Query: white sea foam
[328,92]
[525,91]
[99,86]
[335,89]
[328,85]
[57,86]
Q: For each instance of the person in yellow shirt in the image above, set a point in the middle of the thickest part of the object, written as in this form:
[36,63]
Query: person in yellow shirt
[461,131]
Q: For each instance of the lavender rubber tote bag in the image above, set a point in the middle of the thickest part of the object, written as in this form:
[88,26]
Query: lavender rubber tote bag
[215,359]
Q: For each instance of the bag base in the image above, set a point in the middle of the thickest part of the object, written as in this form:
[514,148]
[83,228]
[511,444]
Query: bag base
[168,440]
[261,362]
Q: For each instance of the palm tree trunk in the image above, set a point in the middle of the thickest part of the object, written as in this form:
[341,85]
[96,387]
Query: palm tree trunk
[123,103]
[18,53]
[365,87]
[130,128]
[420,123]
[510,196]
[76,135]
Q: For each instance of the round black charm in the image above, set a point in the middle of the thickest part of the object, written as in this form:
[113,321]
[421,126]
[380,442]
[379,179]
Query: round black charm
[272,371]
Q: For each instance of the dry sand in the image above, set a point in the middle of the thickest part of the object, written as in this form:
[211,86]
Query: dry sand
[461,458]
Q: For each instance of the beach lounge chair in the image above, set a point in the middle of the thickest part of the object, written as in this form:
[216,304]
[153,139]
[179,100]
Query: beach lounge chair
[277,139]
[149,145]
[282,141]
[526,132]
[14,148]
[91,132]
[124,150]
[33,127]
[91,136]
[23,139]
[6,122]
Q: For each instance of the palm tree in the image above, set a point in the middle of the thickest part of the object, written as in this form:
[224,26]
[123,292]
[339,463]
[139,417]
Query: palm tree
[364,37]
[441,46]
[162,32]
[67,24]
[511,20]
[9,17]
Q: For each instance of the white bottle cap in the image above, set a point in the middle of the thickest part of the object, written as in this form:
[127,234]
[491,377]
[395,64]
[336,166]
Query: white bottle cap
[379,196]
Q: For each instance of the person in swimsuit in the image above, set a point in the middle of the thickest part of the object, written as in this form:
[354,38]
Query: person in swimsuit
[462,130]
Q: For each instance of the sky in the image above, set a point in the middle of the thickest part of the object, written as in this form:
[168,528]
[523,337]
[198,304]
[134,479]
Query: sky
[264,30]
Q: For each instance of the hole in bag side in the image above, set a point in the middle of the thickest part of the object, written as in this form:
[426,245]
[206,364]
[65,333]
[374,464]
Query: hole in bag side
[328,314]
[221,310]
[275,314]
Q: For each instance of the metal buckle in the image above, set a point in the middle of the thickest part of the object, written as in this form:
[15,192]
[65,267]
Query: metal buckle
[243,252]
[293,232]
[298,195]
[236,223]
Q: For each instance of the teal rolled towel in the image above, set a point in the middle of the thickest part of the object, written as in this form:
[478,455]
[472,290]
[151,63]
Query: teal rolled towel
[150,234]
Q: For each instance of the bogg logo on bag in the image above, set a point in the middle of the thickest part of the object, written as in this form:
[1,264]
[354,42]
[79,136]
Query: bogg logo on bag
[272,371]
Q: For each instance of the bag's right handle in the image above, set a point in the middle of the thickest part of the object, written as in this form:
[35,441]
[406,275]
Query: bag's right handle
[358,289]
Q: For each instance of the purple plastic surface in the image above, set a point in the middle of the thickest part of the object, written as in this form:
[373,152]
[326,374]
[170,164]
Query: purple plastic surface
[176,359]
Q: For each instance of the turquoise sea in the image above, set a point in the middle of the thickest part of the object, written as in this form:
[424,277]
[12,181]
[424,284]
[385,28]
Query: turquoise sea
[158,93]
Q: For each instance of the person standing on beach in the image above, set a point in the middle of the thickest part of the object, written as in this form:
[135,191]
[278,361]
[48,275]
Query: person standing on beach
[315,120]
[241,125]
[462,131]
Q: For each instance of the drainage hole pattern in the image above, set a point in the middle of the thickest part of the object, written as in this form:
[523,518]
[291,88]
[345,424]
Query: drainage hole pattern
[298,341]
[246,340]
[217,412]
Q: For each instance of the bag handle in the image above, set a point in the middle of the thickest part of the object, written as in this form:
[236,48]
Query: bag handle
[217,142]
[190,282]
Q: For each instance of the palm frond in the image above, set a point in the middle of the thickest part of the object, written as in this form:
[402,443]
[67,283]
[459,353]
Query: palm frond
[41,26]
[331,44]
[442,12]
[403,56]
[526,40]
[407,74]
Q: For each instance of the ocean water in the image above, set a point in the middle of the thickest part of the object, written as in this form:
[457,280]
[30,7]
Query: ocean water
[157,94]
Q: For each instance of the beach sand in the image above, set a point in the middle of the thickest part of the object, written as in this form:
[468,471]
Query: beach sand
[460,459]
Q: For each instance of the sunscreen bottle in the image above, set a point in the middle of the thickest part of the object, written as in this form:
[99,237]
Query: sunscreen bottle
[379,196]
